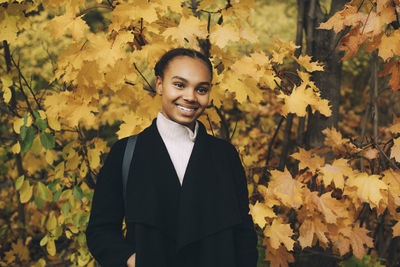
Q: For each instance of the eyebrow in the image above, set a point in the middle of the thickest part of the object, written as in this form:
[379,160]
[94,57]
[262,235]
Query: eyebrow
[186,81]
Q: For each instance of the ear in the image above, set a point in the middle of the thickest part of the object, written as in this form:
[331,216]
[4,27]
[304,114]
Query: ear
[159,88]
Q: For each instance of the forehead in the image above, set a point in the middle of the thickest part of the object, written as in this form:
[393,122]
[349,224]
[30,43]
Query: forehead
[188,68]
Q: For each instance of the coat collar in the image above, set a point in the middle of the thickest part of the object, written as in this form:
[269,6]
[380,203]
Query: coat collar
[204,204]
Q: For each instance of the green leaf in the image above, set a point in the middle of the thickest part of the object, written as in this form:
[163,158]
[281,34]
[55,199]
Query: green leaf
[53,184]
[81,239]
[57,195]
[65,208]
[19,182]
[36,114]
[47,140]
[44,240]
[22,132]
[78,194]
[39,202]
[42,191]
[41,124]
[27,142]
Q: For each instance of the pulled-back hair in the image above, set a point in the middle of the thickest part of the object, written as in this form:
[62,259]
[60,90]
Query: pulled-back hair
[168,56]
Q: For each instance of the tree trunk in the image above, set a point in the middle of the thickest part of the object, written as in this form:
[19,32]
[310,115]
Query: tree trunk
[321,45]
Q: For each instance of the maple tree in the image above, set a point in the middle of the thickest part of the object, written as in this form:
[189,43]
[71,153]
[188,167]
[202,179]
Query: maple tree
[71,85]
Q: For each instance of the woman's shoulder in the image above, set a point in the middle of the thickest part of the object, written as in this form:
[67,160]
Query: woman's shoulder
[221,144]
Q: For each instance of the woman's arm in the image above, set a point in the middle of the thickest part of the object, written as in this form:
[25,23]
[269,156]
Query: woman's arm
[103,234]
[245,235]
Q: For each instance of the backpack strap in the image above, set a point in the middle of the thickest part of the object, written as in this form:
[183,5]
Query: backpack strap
[126,162]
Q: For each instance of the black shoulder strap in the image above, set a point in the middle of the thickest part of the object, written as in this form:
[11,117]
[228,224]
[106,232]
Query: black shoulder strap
[126,162]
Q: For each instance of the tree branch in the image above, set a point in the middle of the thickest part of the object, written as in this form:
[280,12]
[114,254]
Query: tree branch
[144,78]
[26,82]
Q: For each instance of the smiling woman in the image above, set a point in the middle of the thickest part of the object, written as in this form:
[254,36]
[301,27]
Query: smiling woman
[186,196]
[185,89]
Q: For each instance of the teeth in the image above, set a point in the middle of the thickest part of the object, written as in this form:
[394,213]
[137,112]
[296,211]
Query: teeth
[186,109]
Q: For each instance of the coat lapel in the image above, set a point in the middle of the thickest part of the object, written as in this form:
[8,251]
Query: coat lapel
[153,189]
[208,201]
[205,203]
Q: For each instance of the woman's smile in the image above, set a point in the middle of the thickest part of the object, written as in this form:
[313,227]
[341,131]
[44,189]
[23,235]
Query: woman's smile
[185,90]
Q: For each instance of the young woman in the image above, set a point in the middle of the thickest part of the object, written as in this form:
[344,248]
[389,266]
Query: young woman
[187,198]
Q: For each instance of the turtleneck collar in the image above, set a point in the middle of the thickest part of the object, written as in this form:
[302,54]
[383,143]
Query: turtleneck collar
[173,130]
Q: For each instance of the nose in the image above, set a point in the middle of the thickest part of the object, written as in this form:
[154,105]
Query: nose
[189,95]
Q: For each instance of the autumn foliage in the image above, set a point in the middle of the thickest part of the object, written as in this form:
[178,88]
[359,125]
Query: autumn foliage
[73,82]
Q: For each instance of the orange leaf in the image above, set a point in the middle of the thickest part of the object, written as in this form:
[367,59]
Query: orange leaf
[392,68]
[352,42]
[358,239]
[278,257]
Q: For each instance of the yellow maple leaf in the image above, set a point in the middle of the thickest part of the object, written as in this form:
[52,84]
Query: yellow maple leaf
[310,228]
[279,233]
[392,179]
[330,207]
[308,159]
[305,61]
[334,140]
[259,211]
[67,23]
[336,173]
[395,127]
[12,20]
[221,35]
[395,150]
[189,28]
[297,101]
[285,188]
[127,14]
[368,187]
[388,46]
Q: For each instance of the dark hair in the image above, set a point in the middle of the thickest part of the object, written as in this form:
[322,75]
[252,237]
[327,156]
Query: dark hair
[168,56]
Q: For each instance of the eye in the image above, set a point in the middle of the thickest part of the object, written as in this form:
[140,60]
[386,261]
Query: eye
[178,84]
[202,90]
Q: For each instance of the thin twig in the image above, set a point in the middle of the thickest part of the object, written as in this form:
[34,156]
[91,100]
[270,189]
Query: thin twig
[144,78]
[273,140]
[234,130]
[26,82]
[209,121]
[384,154]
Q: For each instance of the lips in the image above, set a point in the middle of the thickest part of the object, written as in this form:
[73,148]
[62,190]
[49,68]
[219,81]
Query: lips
[186,109]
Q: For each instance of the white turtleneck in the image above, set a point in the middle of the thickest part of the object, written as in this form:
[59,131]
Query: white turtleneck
[179,140]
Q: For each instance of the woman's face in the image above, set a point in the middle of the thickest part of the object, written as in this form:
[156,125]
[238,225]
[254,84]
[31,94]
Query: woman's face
[184,89]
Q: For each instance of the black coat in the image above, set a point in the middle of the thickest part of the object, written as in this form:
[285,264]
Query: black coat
[203,223]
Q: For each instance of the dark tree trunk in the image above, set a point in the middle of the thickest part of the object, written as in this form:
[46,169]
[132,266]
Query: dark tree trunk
[321,45]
